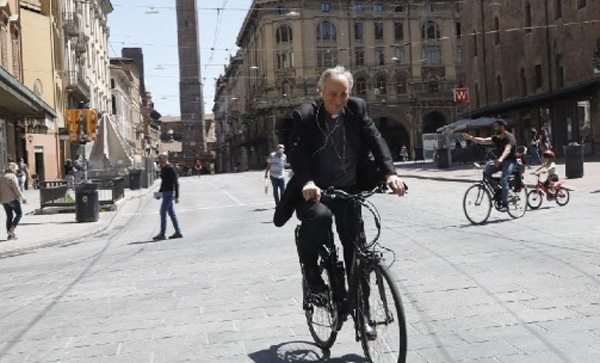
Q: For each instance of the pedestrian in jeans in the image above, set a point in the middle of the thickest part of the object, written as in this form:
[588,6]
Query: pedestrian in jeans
[275,165]
[22,174]
[169,191]
[11,198]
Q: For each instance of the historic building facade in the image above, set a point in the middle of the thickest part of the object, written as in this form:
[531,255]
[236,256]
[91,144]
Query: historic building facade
[405,58]
[532,63]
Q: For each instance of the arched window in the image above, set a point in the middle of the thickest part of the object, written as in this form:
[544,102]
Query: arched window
[527,17]
[499,88]
[496,30]
[361,86]
[430,30]
[401,84]
[523,79]
[283,34]
[381,85]
[326,31]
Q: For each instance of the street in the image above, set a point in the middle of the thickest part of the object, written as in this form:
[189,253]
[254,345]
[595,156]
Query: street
[525,290]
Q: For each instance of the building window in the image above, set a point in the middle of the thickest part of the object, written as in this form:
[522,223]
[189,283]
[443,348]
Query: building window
[358,31]
[433,85]
[281,9]
[527,17]
[431,55]
[326,57]
[358,8]
[378,8]
[474,43]
[428,6]
[398,31]
[285,89]
[499,88]
[523,78]
[283,34]
[558,9]
[458,55]
[457,29]
[430,30]
[560,76]
[496,30]
[381,85]
[361,86]
[285,59]
[15,55]
[401,84]
[399,8]
[538,76]
[4,45]
[581,4]
[379,56]
[325,7]
[359,56]
[399,55]
[378,28]
[477,99]
[326,31]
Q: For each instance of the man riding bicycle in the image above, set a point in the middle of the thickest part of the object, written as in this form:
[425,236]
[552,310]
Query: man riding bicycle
[506,162]
[332,139]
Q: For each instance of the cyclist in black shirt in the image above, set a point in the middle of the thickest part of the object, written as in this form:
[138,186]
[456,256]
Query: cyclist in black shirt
[506,162]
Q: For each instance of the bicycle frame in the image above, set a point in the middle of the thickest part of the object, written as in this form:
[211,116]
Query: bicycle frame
[543,189]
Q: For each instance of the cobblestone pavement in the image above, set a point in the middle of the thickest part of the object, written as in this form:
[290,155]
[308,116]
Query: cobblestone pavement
[521,290]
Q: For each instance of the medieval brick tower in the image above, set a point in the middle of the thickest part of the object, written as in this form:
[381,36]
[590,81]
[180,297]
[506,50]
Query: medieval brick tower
[191,101]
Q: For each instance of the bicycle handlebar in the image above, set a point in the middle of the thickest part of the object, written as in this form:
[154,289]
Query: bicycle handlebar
[331,193]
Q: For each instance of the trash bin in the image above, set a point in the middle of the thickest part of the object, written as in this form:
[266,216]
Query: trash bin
[135,179]
[573,160]
[87,206]
[443,161]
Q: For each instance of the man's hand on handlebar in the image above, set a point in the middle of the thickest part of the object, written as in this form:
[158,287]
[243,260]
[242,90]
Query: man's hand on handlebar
[396,184]
[311,192]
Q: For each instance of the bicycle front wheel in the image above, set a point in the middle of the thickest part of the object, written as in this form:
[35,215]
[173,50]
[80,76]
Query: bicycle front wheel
[322,315]
[534,199]
[517,203]
[562,196]
[477,204]
[380,317]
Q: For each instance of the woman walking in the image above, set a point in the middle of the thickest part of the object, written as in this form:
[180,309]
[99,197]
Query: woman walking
[11,197]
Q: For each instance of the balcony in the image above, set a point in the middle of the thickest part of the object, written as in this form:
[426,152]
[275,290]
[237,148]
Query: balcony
[77,85]
[71,23]
[80,44]
[440,90]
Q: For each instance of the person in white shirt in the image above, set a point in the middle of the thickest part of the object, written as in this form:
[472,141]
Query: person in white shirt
[276,162]
[548,163]
[11,198]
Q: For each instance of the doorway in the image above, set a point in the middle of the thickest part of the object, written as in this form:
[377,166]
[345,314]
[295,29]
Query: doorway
[39,162]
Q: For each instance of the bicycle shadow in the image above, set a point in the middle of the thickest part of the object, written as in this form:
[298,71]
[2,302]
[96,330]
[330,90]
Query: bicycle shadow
[300,351]
[495,221]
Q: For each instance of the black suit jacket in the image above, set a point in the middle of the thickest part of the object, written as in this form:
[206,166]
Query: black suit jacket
[375,159]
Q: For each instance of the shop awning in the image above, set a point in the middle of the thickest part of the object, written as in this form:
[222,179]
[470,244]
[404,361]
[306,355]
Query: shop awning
[16,100]
[464,125]
[534,99]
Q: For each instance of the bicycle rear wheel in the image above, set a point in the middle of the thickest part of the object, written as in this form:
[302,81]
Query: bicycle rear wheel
[379,305]
[534,199]
[562,196]
[477,204]
[517,203]
[322,316]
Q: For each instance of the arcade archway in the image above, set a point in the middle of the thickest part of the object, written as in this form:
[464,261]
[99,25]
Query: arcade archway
[395,135]
[433,121]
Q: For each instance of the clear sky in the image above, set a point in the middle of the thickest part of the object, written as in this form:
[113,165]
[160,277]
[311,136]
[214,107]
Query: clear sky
[152,26]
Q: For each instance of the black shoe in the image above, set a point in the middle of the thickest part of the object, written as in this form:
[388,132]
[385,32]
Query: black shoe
[370,331]
[316,285]
[176,235]
[159,237]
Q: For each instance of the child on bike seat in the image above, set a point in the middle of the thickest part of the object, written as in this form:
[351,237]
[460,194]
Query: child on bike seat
[548,163]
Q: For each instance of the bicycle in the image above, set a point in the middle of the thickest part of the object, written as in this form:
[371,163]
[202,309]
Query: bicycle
[536,195]
[477,202]
[372,298]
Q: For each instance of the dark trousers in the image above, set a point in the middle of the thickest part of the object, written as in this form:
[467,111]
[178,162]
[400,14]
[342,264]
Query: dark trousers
[316,228]
[11,208]
[278,188]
